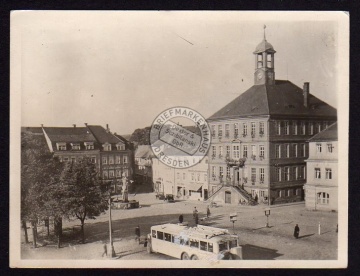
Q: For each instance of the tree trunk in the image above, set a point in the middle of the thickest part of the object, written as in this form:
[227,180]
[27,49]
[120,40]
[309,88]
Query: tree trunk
[33,225]
[47,226]
[58,230]
[82,231]
[25,231]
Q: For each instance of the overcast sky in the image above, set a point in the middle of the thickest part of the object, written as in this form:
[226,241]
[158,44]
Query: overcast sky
[124,68]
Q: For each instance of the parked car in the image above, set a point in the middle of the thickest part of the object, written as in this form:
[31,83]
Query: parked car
[169,198]
[160,196]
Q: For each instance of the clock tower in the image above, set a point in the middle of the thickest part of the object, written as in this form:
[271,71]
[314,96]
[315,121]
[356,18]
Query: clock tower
[264,63]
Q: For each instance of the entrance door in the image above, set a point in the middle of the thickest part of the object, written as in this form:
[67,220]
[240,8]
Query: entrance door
[228,197]
[205,194]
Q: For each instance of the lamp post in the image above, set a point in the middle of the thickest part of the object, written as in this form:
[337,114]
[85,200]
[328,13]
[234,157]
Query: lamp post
[267,214]
[112,251]
[233,218]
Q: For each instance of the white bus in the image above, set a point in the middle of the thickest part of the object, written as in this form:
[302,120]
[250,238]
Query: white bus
[194,243]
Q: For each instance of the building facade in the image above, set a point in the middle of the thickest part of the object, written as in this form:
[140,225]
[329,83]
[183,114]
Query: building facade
[321,188]
[143,164]
[259,140]
[189,183]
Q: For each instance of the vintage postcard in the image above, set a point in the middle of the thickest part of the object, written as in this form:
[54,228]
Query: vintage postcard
[174,139]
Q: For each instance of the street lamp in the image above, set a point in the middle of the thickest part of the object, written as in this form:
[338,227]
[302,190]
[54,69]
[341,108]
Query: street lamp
[233,218]
[112,251]
[267,214]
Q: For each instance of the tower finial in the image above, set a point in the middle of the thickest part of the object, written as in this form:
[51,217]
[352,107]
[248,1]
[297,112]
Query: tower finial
[264,32]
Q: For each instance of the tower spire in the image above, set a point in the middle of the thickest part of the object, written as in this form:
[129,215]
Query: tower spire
[264,32]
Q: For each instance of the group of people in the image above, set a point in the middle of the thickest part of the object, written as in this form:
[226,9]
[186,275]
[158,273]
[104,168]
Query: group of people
[195,215]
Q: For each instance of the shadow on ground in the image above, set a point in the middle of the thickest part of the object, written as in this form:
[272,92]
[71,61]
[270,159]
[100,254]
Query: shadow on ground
[253,252]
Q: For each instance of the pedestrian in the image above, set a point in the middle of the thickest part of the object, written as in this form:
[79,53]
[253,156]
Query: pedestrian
[296,231]
[137,233]
[105,250]
[195,212]
[337,228]
[181,218]
[208,211]
[196,218]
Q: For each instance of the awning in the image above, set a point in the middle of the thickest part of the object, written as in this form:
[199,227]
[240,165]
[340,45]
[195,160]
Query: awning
[194,186]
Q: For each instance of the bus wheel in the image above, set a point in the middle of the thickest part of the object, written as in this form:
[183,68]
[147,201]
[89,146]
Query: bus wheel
[185,256]
[194,257]
[148,248]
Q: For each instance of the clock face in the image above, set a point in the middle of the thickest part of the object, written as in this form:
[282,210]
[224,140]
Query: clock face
[260,75]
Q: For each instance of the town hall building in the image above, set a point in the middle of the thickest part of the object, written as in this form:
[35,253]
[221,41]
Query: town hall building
[259,140]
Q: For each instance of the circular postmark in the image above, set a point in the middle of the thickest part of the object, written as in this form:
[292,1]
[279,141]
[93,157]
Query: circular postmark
[176,145]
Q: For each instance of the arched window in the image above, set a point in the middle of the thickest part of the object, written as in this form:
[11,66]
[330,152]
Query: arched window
[323,198]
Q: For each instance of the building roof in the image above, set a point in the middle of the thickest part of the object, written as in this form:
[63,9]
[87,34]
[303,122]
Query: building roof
[33,130]
[328,134]
[69,134]
[282,98]
[264,46]
[104,136]
[144,151]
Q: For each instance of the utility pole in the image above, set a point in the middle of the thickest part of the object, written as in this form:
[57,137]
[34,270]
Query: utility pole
[112,251]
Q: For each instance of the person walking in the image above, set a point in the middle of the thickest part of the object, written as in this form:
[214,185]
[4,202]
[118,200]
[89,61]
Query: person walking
[208,212]
[181,219]
[105,250]
[196,218]
[137,233]
[296,231]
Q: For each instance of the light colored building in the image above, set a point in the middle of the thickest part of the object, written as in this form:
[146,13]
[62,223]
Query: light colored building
[189,183]
[259,140]
[321,188]
[143,163]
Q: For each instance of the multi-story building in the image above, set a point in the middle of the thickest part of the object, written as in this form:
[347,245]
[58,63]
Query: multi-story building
[321,188]
[111,154]
[143,164]
[259,140]
[189,183]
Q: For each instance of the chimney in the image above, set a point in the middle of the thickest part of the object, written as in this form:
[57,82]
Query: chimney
[85,124]
[306,94]
[74,125]
[42,125]
[107,128]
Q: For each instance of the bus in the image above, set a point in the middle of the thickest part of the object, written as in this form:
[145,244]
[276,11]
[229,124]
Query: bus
[193,243]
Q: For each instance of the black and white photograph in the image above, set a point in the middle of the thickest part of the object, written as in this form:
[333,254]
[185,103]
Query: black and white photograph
[176,139]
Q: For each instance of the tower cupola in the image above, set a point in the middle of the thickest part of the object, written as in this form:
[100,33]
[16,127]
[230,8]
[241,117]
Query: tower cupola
[264,63]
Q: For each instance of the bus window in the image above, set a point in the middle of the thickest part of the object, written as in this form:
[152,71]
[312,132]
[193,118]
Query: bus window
[233,243]
[194,243]
[203,245]
[153,233]
[160,235]
[176,239]
[210,247]
[222,245]
[167,237]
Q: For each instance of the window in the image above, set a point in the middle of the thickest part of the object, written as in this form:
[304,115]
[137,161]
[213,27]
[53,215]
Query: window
[269,59]
[295,148]
[236,151]
[111,159]
[253,129]
[118,159]
[118,173]
[294,174]
[203,246]
[213,131]
[61,146]
[328,174]
[210,247]
[330,148]
[184,176]
[245,151]
[303,172]
[126,172]
[259,60]
[107,147]
[73,159]
[277,151]
[220,151]
[167,237]
[221,172]
[198,176]
[278,128]
[303,149]
[120,147]
[105,174]
[213,151]
[89,145]
[236,131]
[303,128]
[295,128]
[318,127]
[93,159]
[317,173]
[205,177]
[194,243]
[160,235]
[227,172]
[278,174]
[244,129]
[104,160]
[125,159]
[220,131]
[287,150]
[262,175]
[289,192]
[286,128]
[213,171]
[318,147]
[253,175]
[261,129]
[228,151]
[178,176]
[253,150]
[323,198]
[66,159]
[111,174]
[286,173]
[311,128]
[262,151]
[227,130]
[75,146]
[192,176]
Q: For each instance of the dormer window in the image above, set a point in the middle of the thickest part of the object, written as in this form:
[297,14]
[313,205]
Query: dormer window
[75,146]
[61,146]
[107,147]
[120,146]
[89,145]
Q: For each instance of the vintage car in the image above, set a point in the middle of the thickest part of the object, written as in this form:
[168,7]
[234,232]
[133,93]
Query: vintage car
[160,196]
[169,198]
